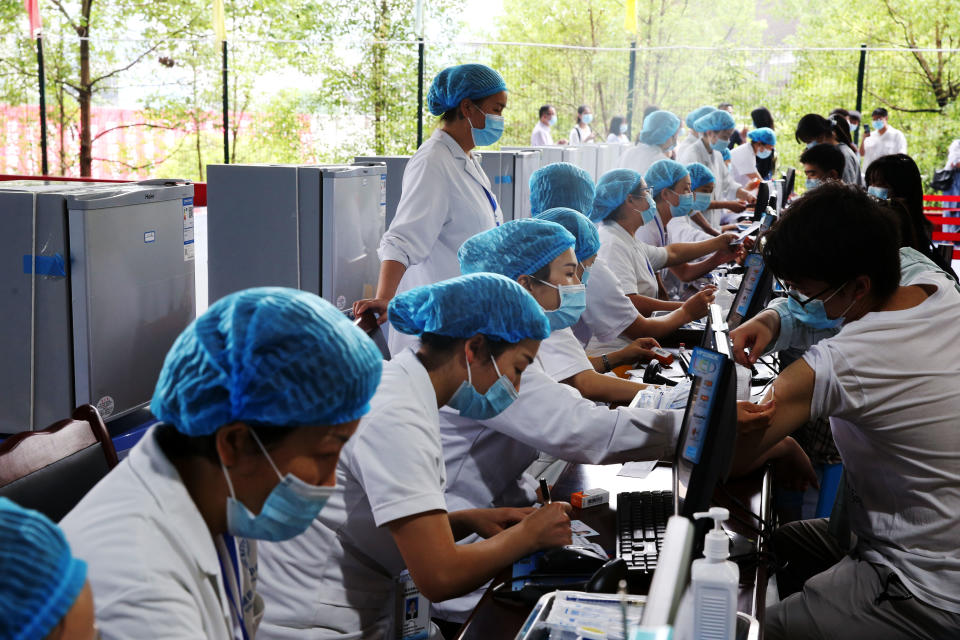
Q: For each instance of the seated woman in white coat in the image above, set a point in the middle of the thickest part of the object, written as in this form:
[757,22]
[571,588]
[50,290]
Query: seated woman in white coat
[256,399]
[446,196]
[624,205]
[342,579]
[657,139]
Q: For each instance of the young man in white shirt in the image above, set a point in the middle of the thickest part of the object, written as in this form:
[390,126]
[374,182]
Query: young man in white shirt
[883,141]
[887,383]
[541,136]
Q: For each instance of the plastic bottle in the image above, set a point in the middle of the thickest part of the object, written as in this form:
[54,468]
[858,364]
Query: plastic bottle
[715,583]
[723,296]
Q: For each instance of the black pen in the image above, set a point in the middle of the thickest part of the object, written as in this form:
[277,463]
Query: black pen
[544,491]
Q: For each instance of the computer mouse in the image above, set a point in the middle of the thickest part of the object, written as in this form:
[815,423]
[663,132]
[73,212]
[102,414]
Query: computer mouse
[607,578]
[570,560]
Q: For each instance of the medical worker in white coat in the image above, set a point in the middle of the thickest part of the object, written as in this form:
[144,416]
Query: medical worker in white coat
[692,135]
[446,196]
[342,578]
[715,129]
[743,159]
[657,139]
[256,398]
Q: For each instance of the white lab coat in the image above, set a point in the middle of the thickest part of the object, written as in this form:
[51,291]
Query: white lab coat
[609,312]
[686,142]
[743,162]
[635,263]
[154,569]
[485,459]
[640,157]
[562,356]
[446,199]
[337,579]
[724,186]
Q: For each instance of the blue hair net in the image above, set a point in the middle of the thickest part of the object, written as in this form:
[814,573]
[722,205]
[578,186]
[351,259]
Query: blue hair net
[716,120]
[663,174]
[270,356]
[613,187]
[764,135]
[588,240]
[658,127]
[519,247]
[696,114]
[39,579]
[560,184]
[699,175]
[453,84]
[461,307]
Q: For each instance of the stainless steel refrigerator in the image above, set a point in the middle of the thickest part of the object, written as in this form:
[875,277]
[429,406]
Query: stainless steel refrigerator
[509,173]
[309,227]
[395,167]
[98,282]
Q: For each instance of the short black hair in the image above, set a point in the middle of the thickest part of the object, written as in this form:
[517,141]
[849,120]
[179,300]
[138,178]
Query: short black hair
[438,349]
[825,156]
[762,117]
[724,105]
[840,111]
[615,123]
[545,109]
[178,445]
[879,112]
[833,234]
[650,108]
[813,125]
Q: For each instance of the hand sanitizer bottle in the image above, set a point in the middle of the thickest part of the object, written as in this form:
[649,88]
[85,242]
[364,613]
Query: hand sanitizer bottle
[715,582]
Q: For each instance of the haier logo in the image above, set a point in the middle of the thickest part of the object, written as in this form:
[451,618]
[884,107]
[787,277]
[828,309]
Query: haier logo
[149,196]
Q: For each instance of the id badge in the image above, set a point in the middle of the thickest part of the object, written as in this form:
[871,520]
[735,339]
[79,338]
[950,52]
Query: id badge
[412,610]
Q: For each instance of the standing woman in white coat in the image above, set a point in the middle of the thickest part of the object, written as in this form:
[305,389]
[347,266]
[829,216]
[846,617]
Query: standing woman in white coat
[256,398]
[342,579]
[446,196]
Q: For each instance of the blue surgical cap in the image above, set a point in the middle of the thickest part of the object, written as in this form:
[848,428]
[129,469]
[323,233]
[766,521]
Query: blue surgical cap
[716,120]
[39,579]
[462,307]
[764,135]
[663,174]
[453,84]
[658,127]
[270,356]
[560,184]
[519,247]
[613,187]
[696,114]
[588,240]
[699,175]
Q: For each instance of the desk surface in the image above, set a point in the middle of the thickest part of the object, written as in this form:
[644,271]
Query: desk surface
[493,619]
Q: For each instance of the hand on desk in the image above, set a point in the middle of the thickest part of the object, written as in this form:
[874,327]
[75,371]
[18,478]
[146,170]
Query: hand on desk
[640,350]
[753,417]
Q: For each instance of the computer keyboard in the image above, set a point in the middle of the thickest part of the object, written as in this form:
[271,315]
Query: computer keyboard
[641,524]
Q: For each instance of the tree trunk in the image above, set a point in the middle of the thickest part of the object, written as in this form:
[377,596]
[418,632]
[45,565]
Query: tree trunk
[86,91]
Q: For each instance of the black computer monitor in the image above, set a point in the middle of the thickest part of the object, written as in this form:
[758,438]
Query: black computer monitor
[708,435]
[754,293]
[765,223]
[763,199]
[788,184]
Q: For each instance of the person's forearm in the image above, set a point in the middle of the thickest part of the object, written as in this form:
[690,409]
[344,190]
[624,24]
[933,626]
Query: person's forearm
[689,271]
[742,466]
[391,272]
[600,388]
[701,222]
[680,252]
[647,305]
[657,327]
[462,524]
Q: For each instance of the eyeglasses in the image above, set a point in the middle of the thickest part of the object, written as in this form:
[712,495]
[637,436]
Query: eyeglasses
[793,293]
[640,192]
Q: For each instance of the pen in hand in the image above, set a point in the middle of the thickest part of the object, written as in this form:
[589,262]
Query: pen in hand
[544,491]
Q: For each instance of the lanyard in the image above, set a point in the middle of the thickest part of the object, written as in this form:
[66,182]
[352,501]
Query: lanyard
[493,203]
[663,235]
[231,546]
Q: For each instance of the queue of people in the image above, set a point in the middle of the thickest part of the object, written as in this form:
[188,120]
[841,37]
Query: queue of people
[297,486]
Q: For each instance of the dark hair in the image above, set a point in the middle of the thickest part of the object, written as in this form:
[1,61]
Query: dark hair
[615,123]
[762,117]
[177,445]
[879,112]
[650,108]
[545,109]
[439,349]
[724,105]
[813,126]
[580,111]
[825,156]
[900,173]
[834,234]
[840,111]
[452,114]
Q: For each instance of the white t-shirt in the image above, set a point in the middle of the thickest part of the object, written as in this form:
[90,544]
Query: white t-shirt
[562,355]
[889,384]
[640,157]
[339,575]
[578,135]
[613,138]
[541,136]
[609,312]
[634,263]
[876,145]
[743,161]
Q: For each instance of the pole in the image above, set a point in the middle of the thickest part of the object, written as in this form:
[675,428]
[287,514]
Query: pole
[630,88]
[43,107]
[860,73]
[420,93]
[226,107]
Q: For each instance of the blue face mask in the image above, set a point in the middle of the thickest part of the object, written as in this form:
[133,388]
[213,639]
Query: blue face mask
[586,274]
[763,155]
[286,513]
[573,300]
[491,132]
[683,207]
[481,406]
[813,313]
[879,192]
[586,118]
[553,121]
[623,128]
[878,124]
[812,183]
[650,212]
[854,127]
[812,144]
[720,145]
[701,201]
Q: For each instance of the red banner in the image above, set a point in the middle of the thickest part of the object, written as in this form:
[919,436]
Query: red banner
[33,11]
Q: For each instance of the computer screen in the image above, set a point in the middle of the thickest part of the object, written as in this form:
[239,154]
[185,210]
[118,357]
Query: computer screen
[788,185]
[765,223]
[753,294]
[763,199]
